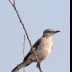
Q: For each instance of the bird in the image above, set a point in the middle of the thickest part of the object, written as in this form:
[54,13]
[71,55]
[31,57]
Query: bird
[42,48]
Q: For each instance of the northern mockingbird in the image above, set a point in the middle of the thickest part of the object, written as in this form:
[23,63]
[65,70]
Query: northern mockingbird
[42,48]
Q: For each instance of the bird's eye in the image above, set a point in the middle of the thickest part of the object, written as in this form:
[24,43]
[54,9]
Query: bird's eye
[49,31]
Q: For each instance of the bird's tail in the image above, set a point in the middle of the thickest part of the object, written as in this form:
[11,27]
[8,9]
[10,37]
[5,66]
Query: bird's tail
[23,64]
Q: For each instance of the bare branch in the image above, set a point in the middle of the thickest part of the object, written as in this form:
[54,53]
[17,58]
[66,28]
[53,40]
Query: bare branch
[24,29]
[23,50]
[14,2]
[18,67]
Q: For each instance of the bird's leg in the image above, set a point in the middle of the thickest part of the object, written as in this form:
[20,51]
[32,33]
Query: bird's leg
[38,66]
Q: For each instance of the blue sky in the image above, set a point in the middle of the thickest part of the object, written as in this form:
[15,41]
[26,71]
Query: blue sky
[37,15]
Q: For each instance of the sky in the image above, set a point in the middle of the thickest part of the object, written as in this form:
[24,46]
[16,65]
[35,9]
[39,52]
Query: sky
[37,15]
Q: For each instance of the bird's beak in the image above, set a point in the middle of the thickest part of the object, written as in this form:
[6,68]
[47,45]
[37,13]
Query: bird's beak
[57,31]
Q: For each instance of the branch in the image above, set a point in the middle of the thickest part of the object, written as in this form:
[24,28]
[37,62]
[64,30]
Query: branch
[25,31]
[18,67]
[23,50]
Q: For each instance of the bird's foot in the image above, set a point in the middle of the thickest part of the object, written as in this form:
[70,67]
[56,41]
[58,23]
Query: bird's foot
[38,66]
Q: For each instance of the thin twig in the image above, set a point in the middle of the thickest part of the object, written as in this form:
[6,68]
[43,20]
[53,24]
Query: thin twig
[18,67]
[23,50]
[24,47]
[14,2]
[24,29]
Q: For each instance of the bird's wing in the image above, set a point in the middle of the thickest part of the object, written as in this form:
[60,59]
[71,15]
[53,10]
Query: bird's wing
[35,46]
[23,64]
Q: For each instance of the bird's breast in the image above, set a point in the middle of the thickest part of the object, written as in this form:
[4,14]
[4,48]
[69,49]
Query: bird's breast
[44,49]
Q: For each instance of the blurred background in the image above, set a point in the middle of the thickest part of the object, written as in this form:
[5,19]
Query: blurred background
[37,15]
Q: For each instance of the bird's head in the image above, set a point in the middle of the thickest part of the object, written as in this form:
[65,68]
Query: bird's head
[49,32]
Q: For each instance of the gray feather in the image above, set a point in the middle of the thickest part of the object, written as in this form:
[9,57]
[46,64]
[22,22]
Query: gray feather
[37,43]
